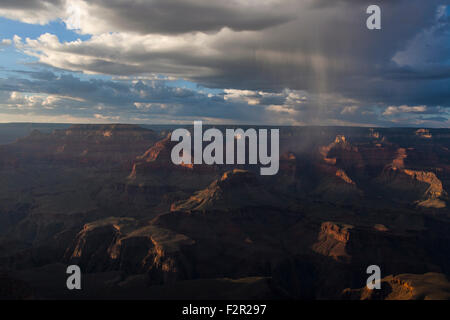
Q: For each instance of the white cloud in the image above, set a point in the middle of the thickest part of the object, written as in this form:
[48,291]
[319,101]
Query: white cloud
[5,42]
[349,109]
[161,107]
[107,118]
[393,110]
[22,101]
[282,109]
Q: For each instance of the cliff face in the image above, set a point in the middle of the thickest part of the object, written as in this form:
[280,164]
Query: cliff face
[426,186]
[235,189]
[333,182]
[435,189]
[381,164]
[83,145]
[158,157]
[357,245]
[429,286]
[332,241]
[155,169]
[122,244]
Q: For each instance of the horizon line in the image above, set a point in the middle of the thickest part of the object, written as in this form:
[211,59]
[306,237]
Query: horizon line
[223,125]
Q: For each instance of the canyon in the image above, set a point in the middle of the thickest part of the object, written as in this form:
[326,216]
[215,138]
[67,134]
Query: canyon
[109,199]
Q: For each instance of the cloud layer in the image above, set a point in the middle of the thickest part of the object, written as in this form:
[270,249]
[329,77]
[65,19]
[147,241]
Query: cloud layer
[266,51]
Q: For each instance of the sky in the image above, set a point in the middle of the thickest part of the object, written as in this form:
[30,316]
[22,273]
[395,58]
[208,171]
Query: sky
[262,62]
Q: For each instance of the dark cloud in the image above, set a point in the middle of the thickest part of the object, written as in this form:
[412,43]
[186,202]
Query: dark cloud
[32,11]
[151,16]
[438,119]
[181,16]
[30,4]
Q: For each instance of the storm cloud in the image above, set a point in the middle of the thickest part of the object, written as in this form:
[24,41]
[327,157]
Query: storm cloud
[320,47]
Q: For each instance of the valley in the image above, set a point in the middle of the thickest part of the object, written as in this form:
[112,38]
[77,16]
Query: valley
[109,199]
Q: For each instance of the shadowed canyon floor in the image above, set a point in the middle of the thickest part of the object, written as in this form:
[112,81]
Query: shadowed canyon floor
[109,199]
